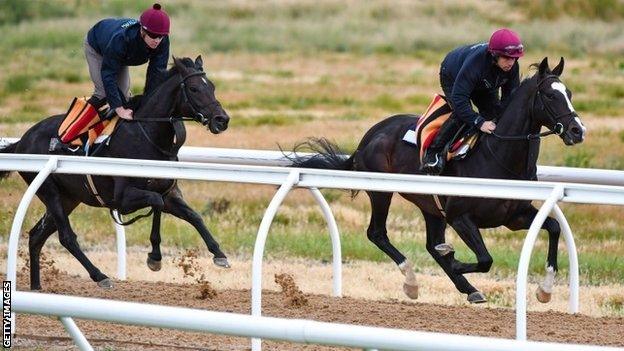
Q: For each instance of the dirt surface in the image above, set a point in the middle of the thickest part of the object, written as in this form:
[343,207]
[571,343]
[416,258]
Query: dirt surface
[37,333]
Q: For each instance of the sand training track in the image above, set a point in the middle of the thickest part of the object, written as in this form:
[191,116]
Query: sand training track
[36,332]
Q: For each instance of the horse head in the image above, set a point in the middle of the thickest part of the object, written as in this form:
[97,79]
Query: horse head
[197,96]
[552,105]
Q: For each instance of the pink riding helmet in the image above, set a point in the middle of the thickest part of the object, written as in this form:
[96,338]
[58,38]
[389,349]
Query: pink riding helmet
[155,20]
[505,42]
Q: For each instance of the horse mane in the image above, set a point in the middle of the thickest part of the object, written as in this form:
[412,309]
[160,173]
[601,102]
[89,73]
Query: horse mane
[523,83]
[159,78]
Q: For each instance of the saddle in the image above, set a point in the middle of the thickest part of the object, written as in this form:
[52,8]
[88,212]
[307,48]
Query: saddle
[83,127]
[428,125]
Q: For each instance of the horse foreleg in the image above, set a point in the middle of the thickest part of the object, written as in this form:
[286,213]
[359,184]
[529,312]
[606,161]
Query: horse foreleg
[154,258]
[175,205]
[523,221]
[378,235]
[470,234]
[133,199]
[435,239]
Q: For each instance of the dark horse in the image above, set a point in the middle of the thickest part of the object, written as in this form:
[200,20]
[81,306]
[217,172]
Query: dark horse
[183,91]
[541,100]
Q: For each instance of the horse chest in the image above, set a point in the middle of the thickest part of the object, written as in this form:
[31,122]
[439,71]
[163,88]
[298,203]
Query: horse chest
[160,186]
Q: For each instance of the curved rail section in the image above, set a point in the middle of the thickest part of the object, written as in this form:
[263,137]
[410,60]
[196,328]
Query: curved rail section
[287,178]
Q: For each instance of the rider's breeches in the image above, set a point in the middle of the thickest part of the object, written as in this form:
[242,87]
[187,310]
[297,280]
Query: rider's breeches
[94,60]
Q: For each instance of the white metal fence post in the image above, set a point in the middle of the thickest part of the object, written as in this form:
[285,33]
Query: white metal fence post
[335,238]
[74,332]
[573,259]
[525,257]
[263,231]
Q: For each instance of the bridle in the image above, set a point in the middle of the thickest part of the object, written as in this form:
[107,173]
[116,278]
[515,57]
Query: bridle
[176,121]
[555,118]
[198,115]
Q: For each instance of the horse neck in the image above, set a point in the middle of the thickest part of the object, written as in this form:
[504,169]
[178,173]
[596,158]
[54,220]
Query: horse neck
[519,156]
[160,104]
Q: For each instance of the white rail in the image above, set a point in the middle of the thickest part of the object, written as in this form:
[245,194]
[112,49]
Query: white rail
[276,158]
[485,188]
[293,330]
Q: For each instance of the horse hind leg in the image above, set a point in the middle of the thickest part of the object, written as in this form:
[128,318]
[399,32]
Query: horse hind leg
[38,235]
[50,196]
[378,235]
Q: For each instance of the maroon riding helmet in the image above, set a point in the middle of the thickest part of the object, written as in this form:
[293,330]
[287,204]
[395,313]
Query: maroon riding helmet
[155,20]
[505,42]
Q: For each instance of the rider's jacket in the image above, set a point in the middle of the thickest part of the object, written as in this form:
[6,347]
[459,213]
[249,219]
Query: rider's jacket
[119,42]
[474,75]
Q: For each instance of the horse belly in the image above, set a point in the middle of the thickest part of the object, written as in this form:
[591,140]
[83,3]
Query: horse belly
[77,187]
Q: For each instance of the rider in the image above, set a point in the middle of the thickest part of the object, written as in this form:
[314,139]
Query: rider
[113,44]
[474,73]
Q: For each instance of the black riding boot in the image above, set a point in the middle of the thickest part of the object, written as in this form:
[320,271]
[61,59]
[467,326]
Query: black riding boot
[435,155]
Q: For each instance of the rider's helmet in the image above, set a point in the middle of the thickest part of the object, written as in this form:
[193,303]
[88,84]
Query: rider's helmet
[505,42]
[155,20]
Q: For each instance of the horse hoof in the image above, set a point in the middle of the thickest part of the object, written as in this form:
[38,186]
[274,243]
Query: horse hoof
[153,264]
[411,291]
[542,296]
[444,249]
[105,283]
[476,297]
[221,262]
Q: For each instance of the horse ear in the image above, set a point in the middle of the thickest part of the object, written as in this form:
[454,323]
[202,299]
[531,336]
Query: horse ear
[559,68]
[199,63]
[543,66]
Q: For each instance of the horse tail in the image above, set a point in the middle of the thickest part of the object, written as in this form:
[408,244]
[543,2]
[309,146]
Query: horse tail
[8,149]
[323,155]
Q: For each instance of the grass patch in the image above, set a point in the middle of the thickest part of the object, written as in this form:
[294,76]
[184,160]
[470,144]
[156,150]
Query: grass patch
[270,120]
[19,83]
[580,158]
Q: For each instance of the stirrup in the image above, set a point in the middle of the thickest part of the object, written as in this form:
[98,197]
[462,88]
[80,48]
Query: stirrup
[433,167]
[56,145]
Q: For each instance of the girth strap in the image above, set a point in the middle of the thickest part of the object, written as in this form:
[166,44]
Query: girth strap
[438,203]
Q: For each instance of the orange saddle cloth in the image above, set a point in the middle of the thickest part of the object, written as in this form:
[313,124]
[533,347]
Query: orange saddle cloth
[429,124]
[83,126]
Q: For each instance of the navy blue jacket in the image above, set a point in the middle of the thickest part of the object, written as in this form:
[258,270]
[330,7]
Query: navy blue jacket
[474,75]
[119,42]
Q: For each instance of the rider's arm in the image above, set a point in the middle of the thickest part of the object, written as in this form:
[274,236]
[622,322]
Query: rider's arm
[157,64]
[464,85]
[110,68]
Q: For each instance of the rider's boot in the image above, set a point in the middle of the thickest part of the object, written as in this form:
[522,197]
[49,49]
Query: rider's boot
[435,155]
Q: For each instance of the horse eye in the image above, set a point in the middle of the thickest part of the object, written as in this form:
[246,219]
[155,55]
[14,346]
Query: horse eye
[193,89]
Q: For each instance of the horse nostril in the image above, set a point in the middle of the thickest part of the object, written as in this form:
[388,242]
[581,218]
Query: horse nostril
[576,131]
[221,119]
